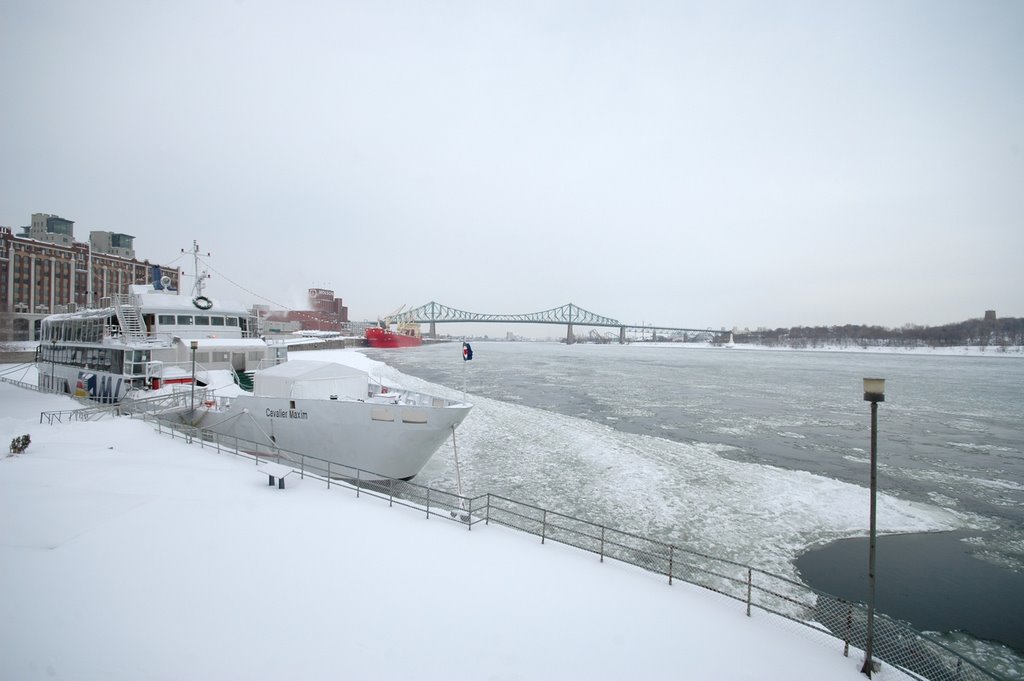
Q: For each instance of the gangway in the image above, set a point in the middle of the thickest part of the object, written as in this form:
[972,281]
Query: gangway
[159,404]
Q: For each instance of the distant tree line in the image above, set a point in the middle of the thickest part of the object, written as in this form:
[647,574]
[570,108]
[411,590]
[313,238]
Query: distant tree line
[997,333]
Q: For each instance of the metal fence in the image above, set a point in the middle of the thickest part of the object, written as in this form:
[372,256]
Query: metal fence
[22,384]
[830,619]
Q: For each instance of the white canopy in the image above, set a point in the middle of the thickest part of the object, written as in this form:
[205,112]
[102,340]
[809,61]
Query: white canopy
[307,379]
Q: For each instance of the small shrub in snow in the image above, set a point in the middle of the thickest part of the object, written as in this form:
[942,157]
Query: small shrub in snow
[20,444]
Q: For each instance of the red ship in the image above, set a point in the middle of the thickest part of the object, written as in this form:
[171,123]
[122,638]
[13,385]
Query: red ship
[407,336]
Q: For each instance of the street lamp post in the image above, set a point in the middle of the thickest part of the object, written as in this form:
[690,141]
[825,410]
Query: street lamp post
[874,392]
[53,363]
[194,344]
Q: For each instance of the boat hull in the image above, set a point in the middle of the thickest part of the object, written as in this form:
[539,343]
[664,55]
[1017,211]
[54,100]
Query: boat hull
[92,384]
[379,438]
[377,337]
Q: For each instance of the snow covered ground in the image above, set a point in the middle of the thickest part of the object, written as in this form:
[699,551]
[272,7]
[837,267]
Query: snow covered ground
[127,555]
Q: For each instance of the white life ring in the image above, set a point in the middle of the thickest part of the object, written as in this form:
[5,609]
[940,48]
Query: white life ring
[202,302]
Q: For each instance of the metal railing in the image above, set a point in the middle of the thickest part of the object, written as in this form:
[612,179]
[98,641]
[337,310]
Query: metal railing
[820,615]
[86,414]
[22,384]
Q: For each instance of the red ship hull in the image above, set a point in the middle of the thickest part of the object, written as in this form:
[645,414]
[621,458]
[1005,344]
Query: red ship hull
[377,337]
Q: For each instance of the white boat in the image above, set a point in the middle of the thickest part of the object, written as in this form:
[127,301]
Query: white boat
[336,414]
[145,340]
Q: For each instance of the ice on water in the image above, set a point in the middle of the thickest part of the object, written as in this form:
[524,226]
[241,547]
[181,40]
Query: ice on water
[686,494]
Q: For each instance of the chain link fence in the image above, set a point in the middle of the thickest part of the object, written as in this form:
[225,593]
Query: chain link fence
[821,616]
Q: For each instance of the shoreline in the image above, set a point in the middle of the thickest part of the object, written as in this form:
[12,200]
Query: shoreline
[1015,351]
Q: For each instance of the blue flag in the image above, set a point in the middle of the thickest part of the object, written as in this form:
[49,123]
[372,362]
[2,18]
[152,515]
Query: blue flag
[467,352]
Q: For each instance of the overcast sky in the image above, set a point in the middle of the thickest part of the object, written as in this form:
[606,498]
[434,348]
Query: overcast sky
[688,164]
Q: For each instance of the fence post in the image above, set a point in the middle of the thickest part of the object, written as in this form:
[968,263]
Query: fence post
[849,630]
[357,483]
[543,526]
[328,475]
[750,580]
[391,491]
[302,467]
[487,519]
[602,543]
[671,555]
[428,503]
[470,520]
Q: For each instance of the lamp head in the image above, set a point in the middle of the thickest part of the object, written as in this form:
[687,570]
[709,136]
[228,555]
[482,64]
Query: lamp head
[874,389]
[194,344]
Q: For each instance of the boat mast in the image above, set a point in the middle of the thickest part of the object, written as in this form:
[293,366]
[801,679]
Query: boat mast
[197,287]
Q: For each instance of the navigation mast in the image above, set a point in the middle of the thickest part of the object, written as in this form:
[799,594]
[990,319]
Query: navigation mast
[197,287]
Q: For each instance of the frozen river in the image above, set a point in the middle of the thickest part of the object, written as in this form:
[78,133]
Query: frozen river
[756,456]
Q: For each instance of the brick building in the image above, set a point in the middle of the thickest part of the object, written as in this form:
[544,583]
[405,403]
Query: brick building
[44,270]
[326,313]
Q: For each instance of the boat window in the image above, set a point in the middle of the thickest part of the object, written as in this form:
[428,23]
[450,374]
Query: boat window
[232,321]
[165,319]
[414,416]
[184,320]
[382,414]
[202,320]
[217,321]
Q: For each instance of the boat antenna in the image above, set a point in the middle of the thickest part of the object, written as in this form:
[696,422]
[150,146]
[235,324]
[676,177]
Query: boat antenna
[197,287]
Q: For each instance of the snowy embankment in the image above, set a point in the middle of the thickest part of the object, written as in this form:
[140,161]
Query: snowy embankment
[129,555]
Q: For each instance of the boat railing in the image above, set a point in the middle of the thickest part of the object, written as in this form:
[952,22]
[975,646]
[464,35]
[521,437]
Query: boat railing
[409,397]
[116,333]
[838,623]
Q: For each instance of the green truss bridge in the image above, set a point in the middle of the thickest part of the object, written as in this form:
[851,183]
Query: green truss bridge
[569,315]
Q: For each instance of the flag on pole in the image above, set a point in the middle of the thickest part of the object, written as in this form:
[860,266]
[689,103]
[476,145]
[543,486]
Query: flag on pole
[467,352]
